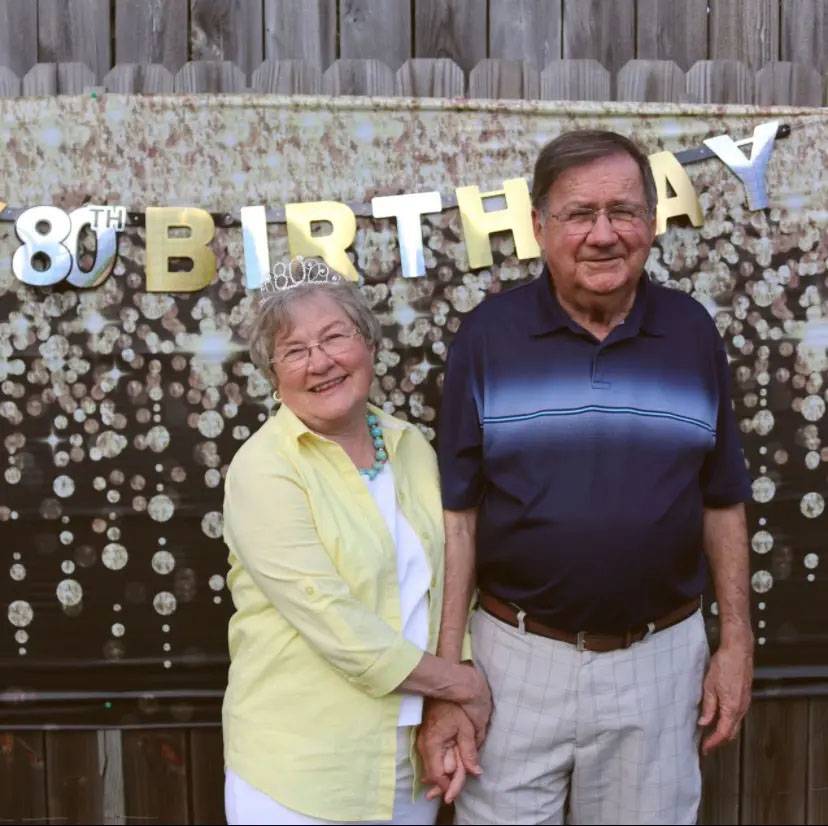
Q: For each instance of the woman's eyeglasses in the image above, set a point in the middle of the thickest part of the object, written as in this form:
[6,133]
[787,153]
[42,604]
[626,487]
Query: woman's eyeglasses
[332,345]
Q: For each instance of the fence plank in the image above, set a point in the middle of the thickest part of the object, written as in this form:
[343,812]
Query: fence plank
[652,80]
[18,35]
[301,30]
[428,77]
[720,786]
[378,29]
[10,84]
[672,30]
[58,79]
[575,80]
[775,762]
[792,84]
[746,30]
[525,30]
[151,31]
[132,78]
[22,776]
[287,77]
[817,761]
[210,76]
[71,31]
[74,781]
[358,77]
[451,28]
[227,30]
[504,79]
[41,80]
[111,763]
[600,29]
[720,81]
[74,78]
[207,775]
[805,32]
[155,776]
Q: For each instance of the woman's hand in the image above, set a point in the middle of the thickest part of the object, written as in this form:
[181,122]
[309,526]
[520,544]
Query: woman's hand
[479,708]
[459,683]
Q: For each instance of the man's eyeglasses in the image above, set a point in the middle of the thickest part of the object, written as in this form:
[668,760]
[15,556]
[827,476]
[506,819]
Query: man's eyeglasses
[332,345]
[622,217]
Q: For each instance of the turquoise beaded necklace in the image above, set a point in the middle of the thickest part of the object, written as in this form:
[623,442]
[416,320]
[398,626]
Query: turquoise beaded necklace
[380,454]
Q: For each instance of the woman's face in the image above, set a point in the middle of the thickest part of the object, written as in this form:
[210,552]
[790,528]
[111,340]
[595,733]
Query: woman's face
[326,390]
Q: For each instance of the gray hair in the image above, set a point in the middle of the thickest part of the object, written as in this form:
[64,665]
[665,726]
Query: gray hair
[273,317]
[580,147]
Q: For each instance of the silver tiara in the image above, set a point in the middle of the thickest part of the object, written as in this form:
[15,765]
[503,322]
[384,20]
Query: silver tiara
[297,272]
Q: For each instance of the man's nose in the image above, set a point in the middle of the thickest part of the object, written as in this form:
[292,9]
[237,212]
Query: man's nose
[602,231]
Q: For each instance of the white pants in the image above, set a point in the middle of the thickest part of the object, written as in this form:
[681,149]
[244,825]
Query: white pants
[595,738]
[244,804]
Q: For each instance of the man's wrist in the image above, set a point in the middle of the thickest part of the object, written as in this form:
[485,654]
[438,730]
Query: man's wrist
[735,633]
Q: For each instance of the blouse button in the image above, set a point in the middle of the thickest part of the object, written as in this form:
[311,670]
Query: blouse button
[309,591]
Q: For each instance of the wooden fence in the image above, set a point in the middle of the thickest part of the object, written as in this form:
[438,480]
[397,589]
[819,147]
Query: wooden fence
[708,51]
[776,773]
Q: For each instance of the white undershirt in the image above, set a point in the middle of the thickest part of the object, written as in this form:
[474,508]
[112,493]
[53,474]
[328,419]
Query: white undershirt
[413,575]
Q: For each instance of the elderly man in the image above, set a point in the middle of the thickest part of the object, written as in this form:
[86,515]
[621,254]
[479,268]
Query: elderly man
[592,475]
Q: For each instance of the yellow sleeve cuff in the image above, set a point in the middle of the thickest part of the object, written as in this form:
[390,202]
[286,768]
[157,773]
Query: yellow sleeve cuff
[390,669]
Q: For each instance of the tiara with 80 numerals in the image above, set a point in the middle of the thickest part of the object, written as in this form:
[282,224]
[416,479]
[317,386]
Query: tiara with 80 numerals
[298,272]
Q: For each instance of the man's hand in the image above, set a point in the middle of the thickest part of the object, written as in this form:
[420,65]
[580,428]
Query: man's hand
[446,727]
[726,692]
[729,677]
[454,768]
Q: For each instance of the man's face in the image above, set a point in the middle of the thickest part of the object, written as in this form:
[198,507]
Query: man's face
[592,264]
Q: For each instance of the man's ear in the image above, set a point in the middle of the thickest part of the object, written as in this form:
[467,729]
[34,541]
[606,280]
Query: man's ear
[537,226]
[653,223]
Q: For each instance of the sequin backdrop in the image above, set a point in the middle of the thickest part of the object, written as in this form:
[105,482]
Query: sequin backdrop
[120,410]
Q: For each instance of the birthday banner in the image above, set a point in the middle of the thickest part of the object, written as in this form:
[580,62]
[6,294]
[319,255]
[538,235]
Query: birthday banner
[135,234]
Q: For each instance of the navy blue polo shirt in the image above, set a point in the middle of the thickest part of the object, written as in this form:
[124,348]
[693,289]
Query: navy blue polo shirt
[591,462]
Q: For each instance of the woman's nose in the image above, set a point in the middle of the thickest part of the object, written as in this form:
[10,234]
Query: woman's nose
[318,359]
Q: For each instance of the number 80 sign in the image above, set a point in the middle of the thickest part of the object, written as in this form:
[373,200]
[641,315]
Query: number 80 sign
[49,250]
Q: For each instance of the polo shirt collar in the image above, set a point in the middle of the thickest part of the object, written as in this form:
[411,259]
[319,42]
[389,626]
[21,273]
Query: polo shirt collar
[551,317]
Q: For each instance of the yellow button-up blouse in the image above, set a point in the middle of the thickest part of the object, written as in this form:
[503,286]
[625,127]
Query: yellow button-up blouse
[316,649]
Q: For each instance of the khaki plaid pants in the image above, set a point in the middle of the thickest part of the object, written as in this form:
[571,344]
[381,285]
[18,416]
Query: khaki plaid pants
[587,737]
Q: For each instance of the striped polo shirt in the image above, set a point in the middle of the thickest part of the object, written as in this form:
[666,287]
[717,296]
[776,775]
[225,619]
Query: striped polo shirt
[591,461]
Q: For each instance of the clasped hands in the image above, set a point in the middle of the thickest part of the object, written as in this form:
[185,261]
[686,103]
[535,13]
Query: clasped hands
[450,736]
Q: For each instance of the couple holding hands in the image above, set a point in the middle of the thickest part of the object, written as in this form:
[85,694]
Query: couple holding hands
[521,631]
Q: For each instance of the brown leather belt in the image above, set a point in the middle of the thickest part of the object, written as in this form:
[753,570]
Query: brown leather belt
[583,640]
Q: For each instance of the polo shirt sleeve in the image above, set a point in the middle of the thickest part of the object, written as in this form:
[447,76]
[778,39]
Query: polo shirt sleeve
[460,446]
[268,525]
[724,478]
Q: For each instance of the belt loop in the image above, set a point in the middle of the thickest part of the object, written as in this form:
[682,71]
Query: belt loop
[650,630]
[521,616]
[579,640]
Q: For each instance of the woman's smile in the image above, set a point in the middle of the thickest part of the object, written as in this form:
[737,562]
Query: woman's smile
[328,385]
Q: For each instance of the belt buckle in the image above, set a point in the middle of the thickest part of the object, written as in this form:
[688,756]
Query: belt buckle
[579,640]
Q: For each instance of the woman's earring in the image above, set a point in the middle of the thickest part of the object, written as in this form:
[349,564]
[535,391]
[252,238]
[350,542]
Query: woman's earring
[276,397]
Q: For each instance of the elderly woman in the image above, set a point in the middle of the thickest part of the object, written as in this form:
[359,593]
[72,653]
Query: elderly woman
[333,519]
